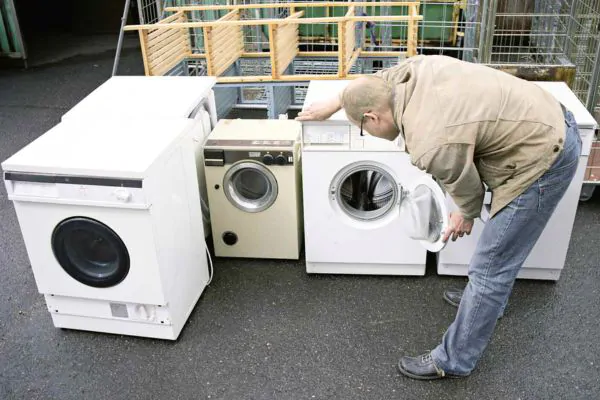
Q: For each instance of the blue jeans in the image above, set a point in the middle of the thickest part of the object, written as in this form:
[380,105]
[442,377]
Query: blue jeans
[505,243]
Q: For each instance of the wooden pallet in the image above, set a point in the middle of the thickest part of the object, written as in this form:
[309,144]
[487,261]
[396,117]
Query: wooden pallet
[167,43]
[592,171]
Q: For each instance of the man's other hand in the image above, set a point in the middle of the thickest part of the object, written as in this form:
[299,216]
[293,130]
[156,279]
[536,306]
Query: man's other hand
[458,226]
[320,110]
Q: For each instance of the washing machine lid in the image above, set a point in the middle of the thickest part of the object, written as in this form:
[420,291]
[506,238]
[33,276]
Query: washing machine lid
[424,214]
[100,148]
[258,133]
[562,93]
[144,96]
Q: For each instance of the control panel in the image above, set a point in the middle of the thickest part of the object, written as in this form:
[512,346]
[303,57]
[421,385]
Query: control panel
[218,157]
[63,189]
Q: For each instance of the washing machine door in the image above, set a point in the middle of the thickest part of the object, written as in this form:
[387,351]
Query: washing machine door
[424,214]
[90,252]
[250,186]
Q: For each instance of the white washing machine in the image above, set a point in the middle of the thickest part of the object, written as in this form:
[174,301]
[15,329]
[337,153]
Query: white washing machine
[154,97]
[548,256]
[367,209]
[254,188]
[113,229]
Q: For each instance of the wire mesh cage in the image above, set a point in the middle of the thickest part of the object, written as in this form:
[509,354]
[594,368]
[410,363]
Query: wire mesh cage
[582,47]
[450,28]
[530,31]
[546,33]
[150,11]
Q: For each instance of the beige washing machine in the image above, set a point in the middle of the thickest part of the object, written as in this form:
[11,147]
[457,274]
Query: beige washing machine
[254,188]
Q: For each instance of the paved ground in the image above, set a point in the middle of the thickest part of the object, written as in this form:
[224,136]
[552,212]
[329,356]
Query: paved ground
[267,330]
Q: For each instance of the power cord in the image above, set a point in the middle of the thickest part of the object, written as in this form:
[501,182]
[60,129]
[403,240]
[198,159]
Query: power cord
[205,210]
[210,263]
[203,115]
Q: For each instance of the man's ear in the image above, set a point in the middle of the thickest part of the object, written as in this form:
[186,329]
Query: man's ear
[372,116]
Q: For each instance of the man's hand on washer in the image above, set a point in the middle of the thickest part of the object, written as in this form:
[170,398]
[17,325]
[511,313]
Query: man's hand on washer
[320,110]
[458,226]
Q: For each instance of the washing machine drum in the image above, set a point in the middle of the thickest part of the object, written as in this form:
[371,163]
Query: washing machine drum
[367,191]
[90,252]
[381,190]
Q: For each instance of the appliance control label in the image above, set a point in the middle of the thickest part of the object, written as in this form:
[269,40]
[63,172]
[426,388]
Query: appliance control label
[35,189]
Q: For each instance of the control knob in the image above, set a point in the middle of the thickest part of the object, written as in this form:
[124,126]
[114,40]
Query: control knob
[268,159]
[280,159]
[123,195]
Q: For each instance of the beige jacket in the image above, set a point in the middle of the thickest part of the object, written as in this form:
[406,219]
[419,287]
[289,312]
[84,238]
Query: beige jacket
[467,123]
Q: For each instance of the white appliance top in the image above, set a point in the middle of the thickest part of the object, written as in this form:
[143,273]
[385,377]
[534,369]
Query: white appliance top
[561,91]
[321,90]
[140,96]
[254,132]
[101,148]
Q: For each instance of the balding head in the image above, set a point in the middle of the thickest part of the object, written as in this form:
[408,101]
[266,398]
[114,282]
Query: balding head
[364,94]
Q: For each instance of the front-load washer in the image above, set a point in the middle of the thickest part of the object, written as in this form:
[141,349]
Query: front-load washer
[365,205]
[154,97]
[547,258]
[367,209]
[254,188]
[112,224]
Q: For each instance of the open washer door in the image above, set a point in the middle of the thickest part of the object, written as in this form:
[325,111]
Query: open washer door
[424,214]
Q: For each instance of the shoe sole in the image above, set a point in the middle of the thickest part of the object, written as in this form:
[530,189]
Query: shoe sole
[426,378]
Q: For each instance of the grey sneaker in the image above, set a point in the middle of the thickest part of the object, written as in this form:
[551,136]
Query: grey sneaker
[452,296]
[423,368]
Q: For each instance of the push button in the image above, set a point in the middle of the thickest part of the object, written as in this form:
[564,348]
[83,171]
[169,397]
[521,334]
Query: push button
[230,238]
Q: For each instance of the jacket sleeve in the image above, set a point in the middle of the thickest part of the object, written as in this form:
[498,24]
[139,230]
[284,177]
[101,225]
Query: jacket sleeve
[453,165]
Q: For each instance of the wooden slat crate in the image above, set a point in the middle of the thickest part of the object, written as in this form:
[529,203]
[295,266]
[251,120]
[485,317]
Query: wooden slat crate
[224,44]
[167,42]
[283,43]
[163,49]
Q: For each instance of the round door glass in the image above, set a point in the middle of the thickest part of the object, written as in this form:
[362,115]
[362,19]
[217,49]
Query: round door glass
[365,192]
[90,252]
[424,215]
[250,187]
[428,212]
